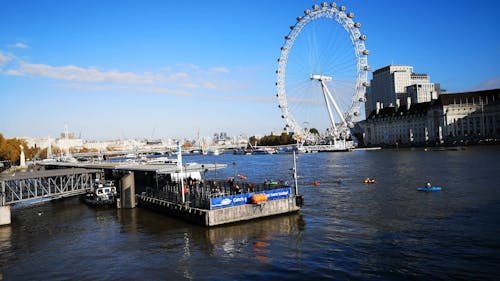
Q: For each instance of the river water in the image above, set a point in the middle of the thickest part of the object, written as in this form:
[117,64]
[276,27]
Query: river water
[346,230]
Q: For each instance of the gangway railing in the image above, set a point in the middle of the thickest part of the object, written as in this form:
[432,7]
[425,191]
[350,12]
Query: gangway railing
[25,186]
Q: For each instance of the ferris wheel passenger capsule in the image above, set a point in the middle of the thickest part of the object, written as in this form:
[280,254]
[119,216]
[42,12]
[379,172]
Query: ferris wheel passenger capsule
[342,8]
[350,15]
[307,11]
[362,37]
[366,52]
[357,25]
[362,99]
[366,68]
[333,5]
[315,7]
[366,84]
[324,4]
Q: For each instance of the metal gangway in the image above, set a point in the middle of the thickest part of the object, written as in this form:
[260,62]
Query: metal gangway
[51,184]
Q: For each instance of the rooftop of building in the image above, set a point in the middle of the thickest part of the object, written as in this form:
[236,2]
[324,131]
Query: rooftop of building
[491,96]
[390,111]
[488,97]
[419,74]
[388,67]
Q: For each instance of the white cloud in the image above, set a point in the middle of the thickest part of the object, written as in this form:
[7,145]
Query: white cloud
[172,80]
[3,58]
[219,69]
[80,74]
[187,66]
[262,99]
[179,76]
[190,86]
[13,72]
[19,45]
[172,92]
[493,83]
[209,85]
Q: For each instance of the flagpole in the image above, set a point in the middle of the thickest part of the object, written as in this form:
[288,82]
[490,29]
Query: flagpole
[295,174]
[179,166]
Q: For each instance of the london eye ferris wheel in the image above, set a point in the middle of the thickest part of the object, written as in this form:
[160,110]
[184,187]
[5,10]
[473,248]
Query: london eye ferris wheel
[322,74]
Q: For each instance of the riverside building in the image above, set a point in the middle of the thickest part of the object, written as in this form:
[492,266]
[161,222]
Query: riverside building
[467,117]
[405,108]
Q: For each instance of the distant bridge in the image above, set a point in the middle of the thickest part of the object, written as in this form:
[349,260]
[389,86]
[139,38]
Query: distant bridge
[27,186]
[163,150]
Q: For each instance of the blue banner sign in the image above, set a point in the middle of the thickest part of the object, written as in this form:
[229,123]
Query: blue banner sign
[240,199]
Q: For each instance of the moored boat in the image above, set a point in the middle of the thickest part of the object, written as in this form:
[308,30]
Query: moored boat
[103,194]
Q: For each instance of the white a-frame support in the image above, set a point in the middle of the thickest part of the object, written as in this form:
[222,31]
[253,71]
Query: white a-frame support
[329,99]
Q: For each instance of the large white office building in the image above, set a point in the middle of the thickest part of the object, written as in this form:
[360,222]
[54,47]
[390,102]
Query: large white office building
[398,82]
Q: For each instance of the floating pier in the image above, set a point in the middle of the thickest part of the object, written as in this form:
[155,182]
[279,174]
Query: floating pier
[238,207]
[182,192]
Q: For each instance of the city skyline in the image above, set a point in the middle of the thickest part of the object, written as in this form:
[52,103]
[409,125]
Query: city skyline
[170,70]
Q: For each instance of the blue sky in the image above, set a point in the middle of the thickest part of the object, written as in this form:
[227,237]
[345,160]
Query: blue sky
[159,69]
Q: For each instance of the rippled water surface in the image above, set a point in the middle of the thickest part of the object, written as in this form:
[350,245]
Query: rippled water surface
[347,230]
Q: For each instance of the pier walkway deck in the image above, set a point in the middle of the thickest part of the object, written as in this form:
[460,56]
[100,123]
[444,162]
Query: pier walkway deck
[25,186]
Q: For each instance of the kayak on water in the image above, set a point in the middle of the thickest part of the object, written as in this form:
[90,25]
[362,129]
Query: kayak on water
[430,188]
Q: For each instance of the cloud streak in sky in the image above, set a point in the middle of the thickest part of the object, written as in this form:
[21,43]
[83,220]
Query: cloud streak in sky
[19,45]
[171,80]
[3,58]
[80,74]
[493,83]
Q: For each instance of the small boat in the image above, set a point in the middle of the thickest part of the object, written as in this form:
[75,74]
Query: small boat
[369,181]
[104,194]
[265,150]
[429,188]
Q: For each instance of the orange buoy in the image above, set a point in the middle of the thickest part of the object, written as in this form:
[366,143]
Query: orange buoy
[258,198]
[316,183]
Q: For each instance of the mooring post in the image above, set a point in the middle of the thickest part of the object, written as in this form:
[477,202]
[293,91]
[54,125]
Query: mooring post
[4,209]
[4,215]
[127,192]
